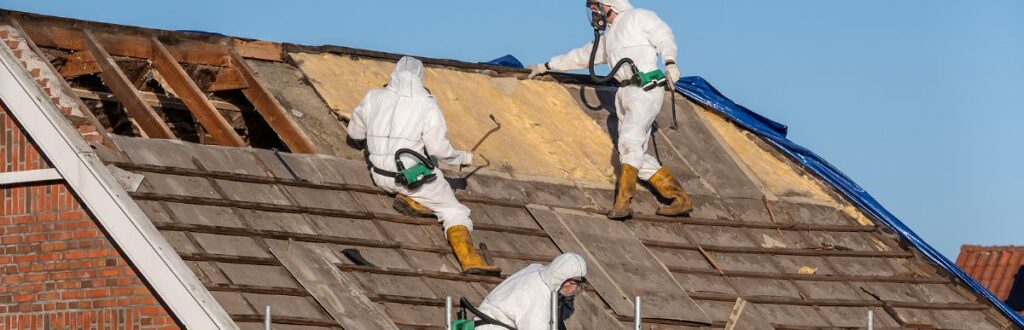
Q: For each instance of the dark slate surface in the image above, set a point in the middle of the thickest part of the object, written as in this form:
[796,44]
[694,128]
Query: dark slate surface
[189,191]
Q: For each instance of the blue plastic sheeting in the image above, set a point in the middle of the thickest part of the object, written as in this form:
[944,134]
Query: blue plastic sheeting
[507,60]
[701,91]
[202,32]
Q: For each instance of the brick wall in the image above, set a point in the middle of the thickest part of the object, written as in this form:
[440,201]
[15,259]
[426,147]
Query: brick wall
[57,268]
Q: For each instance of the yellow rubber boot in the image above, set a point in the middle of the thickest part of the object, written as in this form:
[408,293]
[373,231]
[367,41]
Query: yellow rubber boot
[626,189]
[408,206]
[465,251]
[668,187]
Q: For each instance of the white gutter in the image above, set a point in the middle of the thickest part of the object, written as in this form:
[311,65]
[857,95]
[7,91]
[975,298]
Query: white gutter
[100,193]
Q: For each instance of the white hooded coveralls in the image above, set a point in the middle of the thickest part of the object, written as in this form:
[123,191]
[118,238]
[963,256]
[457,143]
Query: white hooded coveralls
[640,35]
[523,300]
[405,115]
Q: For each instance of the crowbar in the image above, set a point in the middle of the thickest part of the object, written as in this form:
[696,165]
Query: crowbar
[488,134]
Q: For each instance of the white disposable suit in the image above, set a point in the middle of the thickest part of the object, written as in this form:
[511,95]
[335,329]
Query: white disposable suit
[640,35]
[405,115]
[523,300]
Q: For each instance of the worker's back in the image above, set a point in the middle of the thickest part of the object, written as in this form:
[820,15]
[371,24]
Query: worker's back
[397,116]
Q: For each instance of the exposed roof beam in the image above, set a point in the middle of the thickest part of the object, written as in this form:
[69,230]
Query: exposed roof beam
[127,45]
[258,49]
[133,42]
[149,121]
[276,115]
[200,106]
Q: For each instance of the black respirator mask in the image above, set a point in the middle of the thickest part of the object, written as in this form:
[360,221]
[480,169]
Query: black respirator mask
[597,15]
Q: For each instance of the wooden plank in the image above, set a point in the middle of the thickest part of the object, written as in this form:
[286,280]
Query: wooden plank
[128,45]
[227,79]
[337,293]
[66,87]
[258,49]
[276,115]
[778,251]
[737,311]
[149,121]
[200,106]
[78,64]
[621,267]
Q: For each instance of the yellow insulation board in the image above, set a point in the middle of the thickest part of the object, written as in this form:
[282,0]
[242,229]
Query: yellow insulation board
[778,176]
[544,133]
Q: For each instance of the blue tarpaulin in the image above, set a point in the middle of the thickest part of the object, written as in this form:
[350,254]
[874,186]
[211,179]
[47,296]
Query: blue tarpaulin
[700,91]
[507,60]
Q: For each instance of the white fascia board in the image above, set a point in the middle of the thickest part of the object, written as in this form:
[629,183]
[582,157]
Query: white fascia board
[158,263]
[30,176]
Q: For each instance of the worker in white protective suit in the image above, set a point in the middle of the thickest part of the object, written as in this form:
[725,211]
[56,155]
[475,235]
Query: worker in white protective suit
[639,35]
[523,300]
[403,115]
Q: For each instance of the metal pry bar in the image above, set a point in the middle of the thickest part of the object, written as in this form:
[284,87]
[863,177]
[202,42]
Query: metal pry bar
[488,134]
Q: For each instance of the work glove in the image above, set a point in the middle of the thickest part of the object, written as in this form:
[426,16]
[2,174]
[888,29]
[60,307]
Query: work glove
[672,72]
[538,69]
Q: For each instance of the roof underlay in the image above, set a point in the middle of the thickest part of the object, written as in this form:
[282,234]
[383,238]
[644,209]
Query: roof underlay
[260,227]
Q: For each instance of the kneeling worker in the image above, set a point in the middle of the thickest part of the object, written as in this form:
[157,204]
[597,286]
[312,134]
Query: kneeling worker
[523,300]
[398,123]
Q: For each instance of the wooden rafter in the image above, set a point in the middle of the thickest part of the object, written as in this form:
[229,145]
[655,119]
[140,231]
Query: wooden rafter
[276,115]
[89,117]
[197,102]
[148,120]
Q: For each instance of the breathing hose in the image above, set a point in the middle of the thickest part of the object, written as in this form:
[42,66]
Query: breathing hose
[632,66]
[618,66]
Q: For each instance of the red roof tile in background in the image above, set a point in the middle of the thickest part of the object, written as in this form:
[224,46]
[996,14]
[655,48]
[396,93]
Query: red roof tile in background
[993,266]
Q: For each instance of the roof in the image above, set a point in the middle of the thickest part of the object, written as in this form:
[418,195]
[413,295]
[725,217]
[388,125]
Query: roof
[259,227]
[994,266]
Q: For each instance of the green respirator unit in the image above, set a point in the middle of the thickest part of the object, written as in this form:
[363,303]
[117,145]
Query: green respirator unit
[649,80]
[417,175]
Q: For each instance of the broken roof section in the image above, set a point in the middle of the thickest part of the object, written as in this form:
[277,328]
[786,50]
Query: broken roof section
[259,227]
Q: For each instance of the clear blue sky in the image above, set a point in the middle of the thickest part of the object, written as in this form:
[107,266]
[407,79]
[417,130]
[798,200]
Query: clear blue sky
[917,100]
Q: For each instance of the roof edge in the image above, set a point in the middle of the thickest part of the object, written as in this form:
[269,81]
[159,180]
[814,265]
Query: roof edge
[227,40]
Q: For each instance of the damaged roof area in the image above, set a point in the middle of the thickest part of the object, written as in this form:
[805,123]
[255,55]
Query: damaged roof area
[191,125]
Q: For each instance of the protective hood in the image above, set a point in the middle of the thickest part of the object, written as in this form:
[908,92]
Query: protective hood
[617,5]
[407,79]
[564,267]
